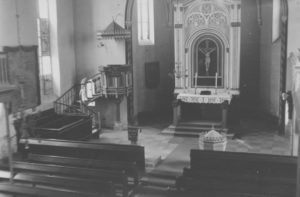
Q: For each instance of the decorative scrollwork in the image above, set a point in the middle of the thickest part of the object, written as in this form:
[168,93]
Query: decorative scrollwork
[207,9]
[207,14]
[196,20]
[217,19]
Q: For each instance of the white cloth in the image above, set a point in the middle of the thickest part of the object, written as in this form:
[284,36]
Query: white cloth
[206,99]
[82,92]
[90,89]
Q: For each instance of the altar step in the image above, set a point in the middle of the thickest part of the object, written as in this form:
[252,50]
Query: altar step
[204,124]
[192,128]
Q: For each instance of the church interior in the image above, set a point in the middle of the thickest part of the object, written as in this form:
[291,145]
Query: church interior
[149,98]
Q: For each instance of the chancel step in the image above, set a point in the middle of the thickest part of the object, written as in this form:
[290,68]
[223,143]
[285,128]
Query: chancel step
[162,182]
[200,124]
[193,128]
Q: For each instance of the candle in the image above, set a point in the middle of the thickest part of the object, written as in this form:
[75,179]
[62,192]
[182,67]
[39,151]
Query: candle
[216,81]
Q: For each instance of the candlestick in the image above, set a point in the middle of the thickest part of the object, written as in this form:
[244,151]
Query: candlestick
[196,77]
[216,81]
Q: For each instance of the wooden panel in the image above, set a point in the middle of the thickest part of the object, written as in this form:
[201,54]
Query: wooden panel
[41,192]
[24,73]
[79,149]
[114,176]
[129,167]
[272,175]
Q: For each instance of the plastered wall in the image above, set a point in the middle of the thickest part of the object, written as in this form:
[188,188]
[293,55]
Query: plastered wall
[160,98]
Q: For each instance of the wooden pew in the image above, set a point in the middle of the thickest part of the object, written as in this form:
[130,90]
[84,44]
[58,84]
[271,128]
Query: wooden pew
[62,182]
[119,179]
[232,172]
[101,187]
[86,150]
[129,167]
[19,190]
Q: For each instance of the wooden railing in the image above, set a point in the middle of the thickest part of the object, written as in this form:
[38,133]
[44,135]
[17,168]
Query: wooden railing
[68,99]
[71,104]
[113,82]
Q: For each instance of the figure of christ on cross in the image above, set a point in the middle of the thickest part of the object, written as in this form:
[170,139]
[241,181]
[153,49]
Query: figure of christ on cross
[207,51]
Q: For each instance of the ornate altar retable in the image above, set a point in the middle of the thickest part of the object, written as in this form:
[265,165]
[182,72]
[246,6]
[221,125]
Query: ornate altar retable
[207,54]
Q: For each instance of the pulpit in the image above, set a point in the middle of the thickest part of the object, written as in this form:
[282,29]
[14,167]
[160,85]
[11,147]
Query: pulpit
[207,59]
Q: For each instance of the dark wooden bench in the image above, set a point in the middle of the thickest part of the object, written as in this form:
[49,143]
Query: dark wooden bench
[231,172]
[62,182]
[118,179]
[20,190]
[81,184]
[86,150]
[129,167]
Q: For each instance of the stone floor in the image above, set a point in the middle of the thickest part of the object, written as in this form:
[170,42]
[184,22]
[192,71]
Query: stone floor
[157,146]
[166,155]
[254,136]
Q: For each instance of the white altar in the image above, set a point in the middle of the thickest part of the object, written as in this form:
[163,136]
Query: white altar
[207,53]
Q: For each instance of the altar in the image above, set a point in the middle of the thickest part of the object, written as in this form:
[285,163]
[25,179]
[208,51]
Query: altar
[207,58]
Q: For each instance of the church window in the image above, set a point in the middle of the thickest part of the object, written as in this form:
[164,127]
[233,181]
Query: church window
[276,20]
[44,48]
[145,22]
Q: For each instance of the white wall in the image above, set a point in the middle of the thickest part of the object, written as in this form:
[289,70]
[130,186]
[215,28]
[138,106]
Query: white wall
[65,32]
[27,23]
[62,45]
[91,16]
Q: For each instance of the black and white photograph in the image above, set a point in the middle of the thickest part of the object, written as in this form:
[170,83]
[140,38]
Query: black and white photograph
[149,98]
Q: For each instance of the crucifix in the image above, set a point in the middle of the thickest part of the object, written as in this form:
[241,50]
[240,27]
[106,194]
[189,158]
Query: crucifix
[207,51]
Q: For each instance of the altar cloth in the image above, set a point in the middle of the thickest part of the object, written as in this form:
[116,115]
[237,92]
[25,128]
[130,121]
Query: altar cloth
[205,99]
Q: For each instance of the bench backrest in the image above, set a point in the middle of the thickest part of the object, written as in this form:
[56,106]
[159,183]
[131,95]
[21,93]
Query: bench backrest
[129,167]
[41,192]
[87,150]
[264,164]
[65,182]
[114,176]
